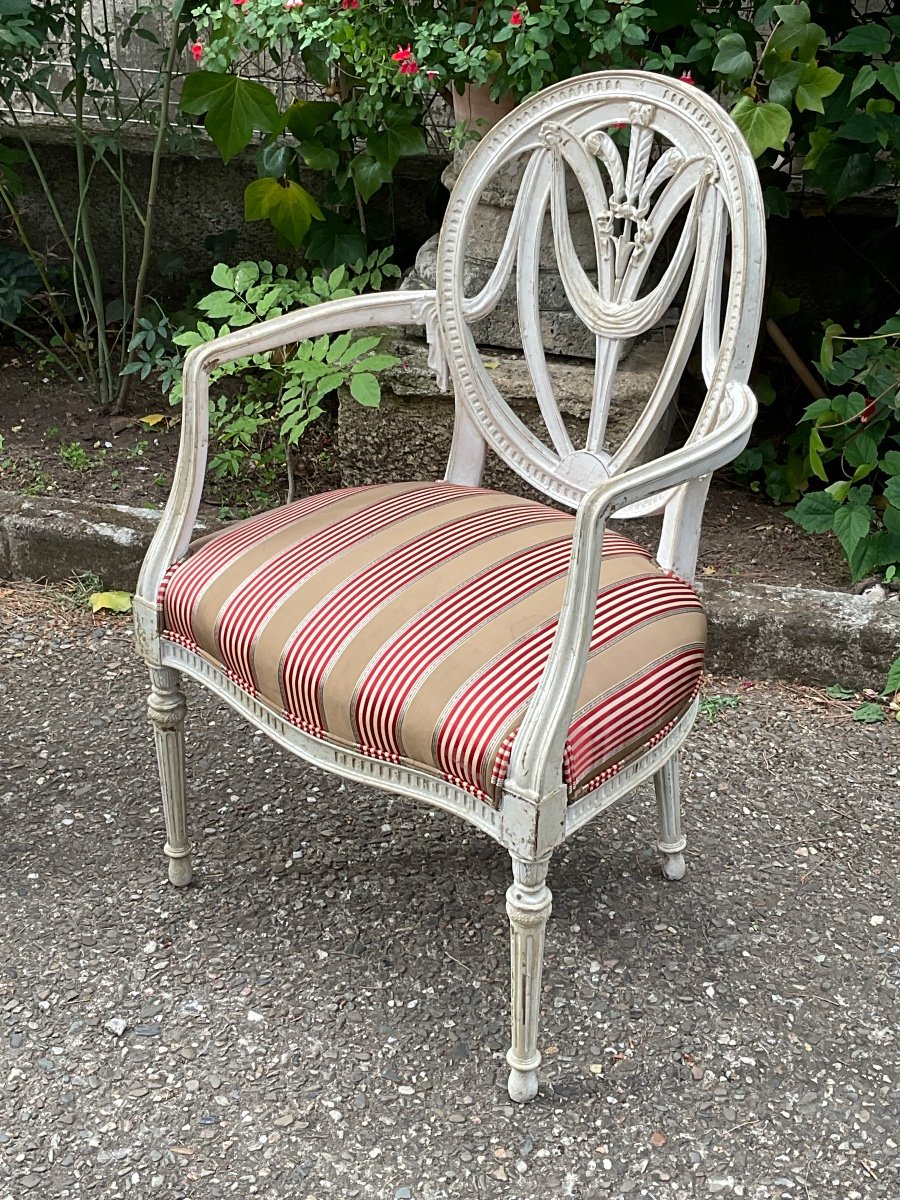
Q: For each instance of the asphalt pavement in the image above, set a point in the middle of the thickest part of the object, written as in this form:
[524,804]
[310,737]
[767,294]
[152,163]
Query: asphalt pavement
[323,1013]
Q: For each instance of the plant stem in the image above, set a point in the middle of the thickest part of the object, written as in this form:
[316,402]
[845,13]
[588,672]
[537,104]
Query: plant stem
[46,348]
[290,471]
[95,279]
[36,258]
[149,212]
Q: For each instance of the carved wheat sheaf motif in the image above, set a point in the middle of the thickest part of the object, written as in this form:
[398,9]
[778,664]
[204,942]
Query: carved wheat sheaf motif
[637,227]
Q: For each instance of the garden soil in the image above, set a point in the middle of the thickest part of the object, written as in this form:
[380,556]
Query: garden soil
[53,443]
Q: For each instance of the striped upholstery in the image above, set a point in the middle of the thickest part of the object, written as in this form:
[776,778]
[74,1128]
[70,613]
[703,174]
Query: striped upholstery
[411,621]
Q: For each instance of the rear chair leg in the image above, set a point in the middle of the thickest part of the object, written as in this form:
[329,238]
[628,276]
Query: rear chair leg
[668,801]
[166,708]
[528,903]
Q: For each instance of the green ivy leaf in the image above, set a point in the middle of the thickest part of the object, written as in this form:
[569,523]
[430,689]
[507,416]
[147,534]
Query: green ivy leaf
[836,692]
[319,158]
[395,141]
[851,524]
[815,512]
[783,75]
[273,159]
[865,79]
[864,39]
[765,126]
[332,241]
[818,140]
[234,107]
[776,202]
[892,683]
[287,206]
[305,118]
[891,462]
[369,174]
[814,86]
[889,78]
[733,57]
[842,173]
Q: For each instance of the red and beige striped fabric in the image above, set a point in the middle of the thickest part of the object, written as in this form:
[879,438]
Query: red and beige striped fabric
[411,622]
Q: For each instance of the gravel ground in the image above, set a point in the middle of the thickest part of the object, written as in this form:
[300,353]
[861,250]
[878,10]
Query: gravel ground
[323,1014]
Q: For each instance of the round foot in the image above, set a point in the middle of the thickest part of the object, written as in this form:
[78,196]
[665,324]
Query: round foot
[673,866]
[180,871]
[522,1086]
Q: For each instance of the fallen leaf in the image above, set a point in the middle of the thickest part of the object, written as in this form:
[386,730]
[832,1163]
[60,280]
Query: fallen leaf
[119,602]
[152,419]
[596,1068]
[658,1138]
[708,571]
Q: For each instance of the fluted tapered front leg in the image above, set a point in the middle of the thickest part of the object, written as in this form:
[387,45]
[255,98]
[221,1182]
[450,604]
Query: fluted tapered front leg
[167,708]
[668,801]
[528,903]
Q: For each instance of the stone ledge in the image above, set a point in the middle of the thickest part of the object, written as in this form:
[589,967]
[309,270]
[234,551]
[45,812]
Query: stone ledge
[55,538]
[805,635]
[757,630]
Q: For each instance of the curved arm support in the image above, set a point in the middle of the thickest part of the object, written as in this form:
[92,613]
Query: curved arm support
[177,523]
[535,768]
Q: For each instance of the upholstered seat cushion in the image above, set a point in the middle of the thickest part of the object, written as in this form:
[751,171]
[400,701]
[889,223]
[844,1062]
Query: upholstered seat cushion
[411,621]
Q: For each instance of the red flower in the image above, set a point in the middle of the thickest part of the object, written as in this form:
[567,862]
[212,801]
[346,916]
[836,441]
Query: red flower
[868,412]
[411,67]
[402,55]
[516,18]
[197,51]
[345,4]
[239,3]
[687,77]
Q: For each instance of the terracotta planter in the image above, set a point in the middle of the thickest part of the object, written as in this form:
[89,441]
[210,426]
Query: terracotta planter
[476,108]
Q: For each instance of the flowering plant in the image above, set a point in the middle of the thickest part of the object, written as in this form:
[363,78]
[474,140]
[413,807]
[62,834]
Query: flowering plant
[381,66]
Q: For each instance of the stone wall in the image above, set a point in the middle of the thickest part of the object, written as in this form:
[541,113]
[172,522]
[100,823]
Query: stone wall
[199,197]
[408,436]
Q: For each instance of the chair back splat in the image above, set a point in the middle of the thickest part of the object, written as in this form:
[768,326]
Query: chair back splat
[668,214]
[493,656]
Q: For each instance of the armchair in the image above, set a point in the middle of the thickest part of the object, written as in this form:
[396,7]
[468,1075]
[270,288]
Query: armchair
[496,657]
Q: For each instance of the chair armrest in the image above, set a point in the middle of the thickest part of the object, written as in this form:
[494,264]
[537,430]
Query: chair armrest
[177,522]
[535,767]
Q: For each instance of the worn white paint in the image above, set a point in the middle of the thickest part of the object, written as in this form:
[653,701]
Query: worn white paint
[686,163]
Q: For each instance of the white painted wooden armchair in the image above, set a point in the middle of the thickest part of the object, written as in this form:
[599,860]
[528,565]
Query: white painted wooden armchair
[493,656]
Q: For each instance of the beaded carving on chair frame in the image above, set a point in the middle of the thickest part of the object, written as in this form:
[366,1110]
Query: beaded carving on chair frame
[492,656]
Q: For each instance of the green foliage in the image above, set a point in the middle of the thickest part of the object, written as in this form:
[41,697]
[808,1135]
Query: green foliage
[712,707]
[852,444]
[792,90]
[59,309]
[262,405]
[875,706]
[380,93]
[20,284]
[75,456]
